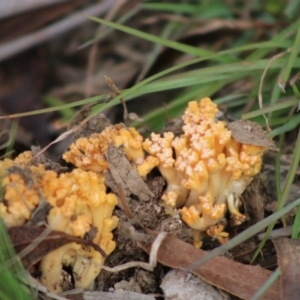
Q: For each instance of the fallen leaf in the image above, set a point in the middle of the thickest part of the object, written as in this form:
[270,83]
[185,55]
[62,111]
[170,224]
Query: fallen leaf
[288,257]
[122,172]
[39,214]
[247,132]
[238,279]
[39,245]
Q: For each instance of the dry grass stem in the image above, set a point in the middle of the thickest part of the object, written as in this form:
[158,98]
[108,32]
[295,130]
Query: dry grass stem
[260,98]
[147,266]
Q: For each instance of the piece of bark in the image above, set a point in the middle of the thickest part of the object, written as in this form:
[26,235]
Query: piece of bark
[122,172]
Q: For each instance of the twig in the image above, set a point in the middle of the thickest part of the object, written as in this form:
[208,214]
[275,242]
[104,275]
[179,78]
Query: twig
[77,19]
[285,231]
[147,266]
[60,138]
[134,234]
[294,78]
[116,92]
[71,130]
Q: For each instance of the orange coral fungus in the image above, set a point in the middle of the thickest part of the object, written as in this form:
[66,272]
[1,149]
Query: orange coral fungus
[205,168]
[79,205]
[88,153]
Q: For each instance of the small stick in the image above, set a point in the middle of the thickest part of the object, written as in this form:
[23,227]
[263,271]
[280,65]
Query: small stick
[147,266]
[285,231]
[116,92]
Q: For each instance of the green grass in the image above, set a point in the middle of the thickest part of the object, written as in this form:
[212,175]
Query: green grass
[11,269]
[10,285]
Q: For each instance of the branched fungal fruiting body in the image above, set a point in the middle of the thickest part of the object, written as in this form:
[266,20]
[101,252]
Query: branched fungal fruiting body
[79,204]
[205,168]
[88,153]
[20,190]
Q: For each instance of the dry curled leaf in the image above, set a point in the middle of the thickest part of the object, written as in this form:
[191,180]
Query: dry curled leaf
[238,279]
[288,256]
[22,237]
[247,132]
[122,172]
[40,213]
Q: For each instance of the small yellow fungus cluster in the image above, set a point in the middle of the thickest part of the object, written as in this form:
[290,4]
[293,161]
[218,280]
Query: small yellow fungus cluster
[21,193]
[205,168]
[79,205]
[88,153]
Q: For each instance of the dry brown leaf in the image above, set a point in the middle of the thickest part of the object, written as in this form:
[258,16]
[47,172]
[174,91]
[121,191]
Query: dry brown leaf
[22,237]
[238,279]
[121,172]
[288,256]
[247,132]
